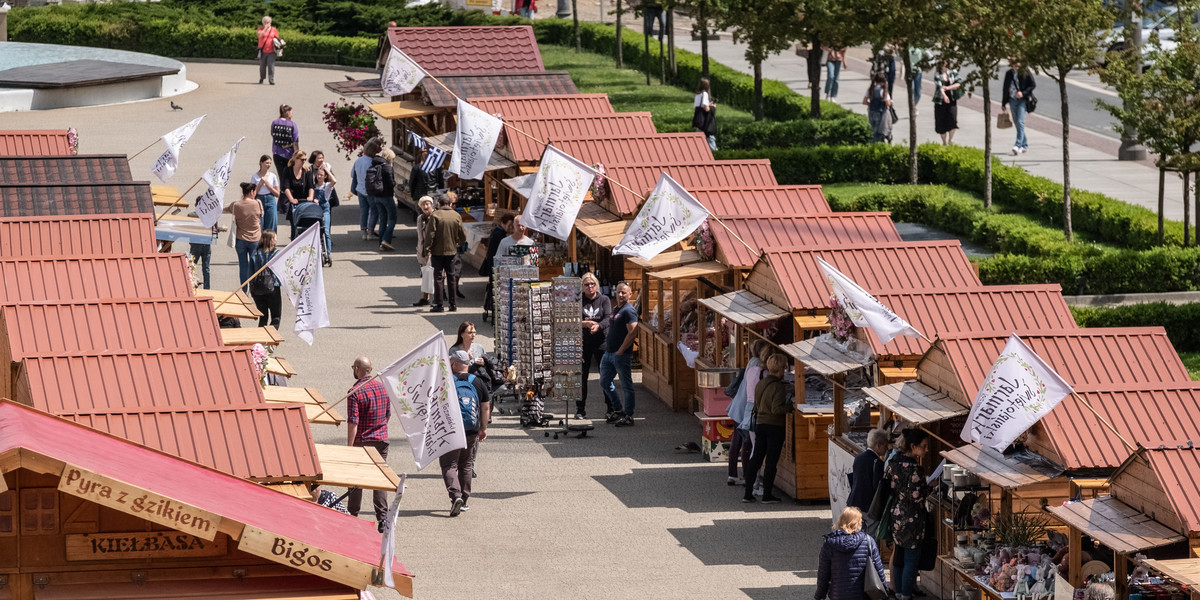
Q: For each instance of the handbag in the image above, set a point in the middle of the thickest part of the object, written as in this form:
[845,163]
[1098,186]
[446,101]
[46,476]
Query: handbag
[895,117]
[873,586]
[1004,121]
[1030,102]
[427,279]
[333,199]
[232,239]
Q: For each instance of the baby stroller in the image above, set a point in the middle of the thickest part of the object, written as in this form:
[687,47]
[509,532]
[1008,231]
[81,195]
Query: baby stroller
[533,408]
[308,214]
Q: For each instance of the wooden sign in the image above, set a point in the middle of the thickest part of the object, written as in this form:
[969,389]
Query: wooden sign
[128,499]
[304,557]
[141,544]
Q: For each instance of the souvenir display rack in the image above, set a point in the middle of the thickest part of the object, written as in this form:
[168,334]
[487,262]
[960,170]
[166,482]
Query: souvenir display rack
[511,271]
[568,339]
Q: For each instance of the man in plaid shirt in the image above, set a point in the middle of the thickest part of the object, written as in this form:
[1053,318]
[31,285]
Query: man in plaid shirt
[368,413]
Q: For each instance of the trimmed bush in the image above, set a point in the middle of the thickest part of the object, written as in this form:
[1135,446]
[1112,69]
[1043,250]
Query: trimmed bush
[1182,322]
[1114,272]
[801,132]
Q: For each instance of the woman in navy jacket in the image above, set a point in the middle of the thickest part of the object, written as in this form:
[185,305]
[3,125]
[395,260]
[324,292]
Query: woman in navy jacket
[1018,88]
[845,557]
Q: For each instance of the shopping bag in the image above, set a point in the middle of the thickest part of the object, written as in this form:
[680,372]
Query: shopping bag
[873,586]
[232,239]
[1004,121]
[427,279]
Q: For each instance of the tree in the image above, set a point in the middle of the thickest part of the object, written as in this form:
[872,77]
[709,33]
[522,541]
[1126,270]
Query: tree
[828,24]
[980,33]
[620,40]
[706,17]
[766,27]
[1058,50]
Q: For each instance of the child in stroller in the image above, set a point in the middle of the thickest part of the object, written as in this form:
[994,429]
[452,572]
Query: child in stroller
[309,213]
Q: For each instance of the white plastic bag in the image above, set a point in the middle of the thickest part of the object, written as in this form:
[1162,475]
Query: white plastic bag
[427,279]
[232,239]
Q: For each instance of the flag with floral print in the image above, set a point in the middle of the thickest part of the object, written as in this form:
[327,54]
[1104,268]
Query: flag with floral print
[863,309]
[1020,389]
[164,167]
[559,188]
[669,215]
[401,74]
[298,269]
[421,389]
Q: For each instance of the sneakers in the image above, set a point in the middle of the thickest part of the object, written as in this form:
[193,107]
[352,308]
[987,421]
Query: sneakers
[366,236]
[747,499]
[386,247]
[422,302]
[625,422]
[465,508]
[456,507]
[1016,150]
[437,308]
[327,261]
[613,417]
[1024,150]
[453,308]
[579,416]
[735,481]
[459,294]
[770,500]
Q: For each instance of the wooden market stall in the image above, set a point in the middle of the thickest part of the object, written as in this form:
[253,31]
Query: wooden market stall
[88,278]
[763,200]
[734,232]
[541,106]
[35,142]
[78,235]
[694,175]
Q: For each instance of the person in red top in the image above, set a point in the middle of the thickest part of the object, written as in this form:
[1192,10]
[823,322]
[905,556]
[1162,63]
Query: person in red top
[367,417]
[266,50]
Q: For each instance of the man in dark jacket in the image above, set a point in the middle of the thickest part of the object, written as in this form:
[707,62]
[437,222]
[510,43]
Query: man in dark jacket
[868,471]
[443,235]
[771,407]
[845,557]
[597,314]
[1018,88]
[488,268]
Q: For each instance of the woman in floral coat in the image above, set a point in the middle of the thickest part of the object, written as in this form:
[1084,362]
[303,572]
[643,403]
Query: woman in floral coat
[907,482]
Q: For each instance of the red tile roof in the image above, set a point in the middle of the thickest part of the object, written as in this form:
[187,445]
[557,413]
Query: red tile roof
[91,169]
[796,232]
[469,87]
[83,199]
[469,50]
[772,200]
[524,148]
[622,149]
[958,310]
[715,174]
[541,107]
[354,87]
[896,265]
[67,278]
[1097,356]
[51,328]
[78,235]
[34,142]
[1081,441]
[1177,465]
[263,443]
[239,501]
[140,381]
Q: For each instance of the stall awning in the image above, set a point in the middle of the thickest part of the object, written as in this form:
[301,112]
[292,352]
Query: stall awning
[403,109]
[1183,570]
[703,269]
[355,466]
[280,366]
[1116,524]
[916,402]
[314,403]
[605,235]
[744,308]
[824,358]
[354,87]
[445,141]
[670,258]
[238,306]
[995,468]
[248,336]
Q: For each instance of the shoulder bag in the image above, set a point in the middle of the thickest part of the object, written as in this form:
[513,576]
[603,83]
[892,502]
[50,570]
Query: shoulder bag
[873,586]
[1030,102]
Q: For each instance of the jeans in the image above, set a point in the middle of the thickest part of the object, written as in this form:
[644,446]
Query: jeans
[652,14]
[244,251]
[617,365]
[266,66]
[326,221]
[890,71]
[833,70]
[526,12]
[368,214]
[875,119]
[457,467]
[202,254]
[905,581]
[379,498]
[592,353]
[740,447]
[768,446]
[386,207]
[270,220]
[1017,106]
[916,85]
[270,305]
[443,277]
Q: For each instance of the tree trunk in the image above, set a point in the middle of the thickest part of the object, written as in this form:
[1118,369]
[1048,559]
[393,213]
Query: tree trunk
[671,42]
[1186,220]
[758,99]
[646,56]
[1066,138]
[1162,184]
[703,21]
[814,77]
[987,141]
[1187,186]
[620,45]
[575,17]
[912,115]
[662,58]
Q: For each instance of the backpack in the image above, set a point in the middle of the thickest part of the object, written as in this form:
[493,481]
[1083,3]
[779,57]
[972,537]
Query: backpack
[374,183]
[468,402]
[263,284]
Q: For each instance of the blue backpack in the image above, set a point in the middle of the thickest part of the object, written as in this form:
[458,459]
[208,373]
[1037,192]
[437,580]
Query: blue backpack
[468,402]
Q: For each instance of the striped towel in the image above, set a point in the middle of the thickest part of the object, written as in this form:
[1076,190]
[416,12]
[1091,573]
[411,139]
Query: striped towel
[434,160]
[418,142]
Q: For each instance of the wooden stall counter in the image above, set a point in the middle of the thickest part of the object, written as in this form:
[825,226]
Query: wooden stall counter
[230,304]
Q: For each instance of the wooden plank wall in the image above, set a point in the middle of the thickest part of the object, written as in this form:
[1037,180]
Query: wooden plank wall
[763,283]
[1138,486]
[936,371]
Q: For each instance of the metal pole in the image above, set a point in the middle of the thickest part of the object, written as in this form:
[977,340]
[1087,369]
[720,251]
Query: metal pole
[1130,150]
[4,8]
[564,9]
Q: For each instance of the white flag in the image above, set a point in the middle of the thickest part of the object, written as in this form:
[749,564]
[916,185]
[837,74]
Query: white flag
[401,74]
[1020,390]
[387,550]
[421,388]
[210,205]
[558,191]
[166,164]
[863,309]
[474,142]
[298,268]
[669,215]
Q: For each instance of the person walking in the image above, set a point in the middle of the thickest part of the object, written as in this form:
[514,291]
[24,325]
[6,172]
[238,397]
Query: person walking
[384,196]
[906,480]
[597,317]
[833,72]
[618,358]
[868,471]
[488,269]
[704,113]
[247,219]
[742,446]
[202,257]
[770,411]
[297,187]
[845,556]
[878,100]
[266,189]
[443,235]
[267,34]
[947,89]
[474,401]
[368,213]
[324,182]
[456,270]
[1018,87]
[367,414]
[285,139]
[426,206]
[915,56]
[264,288]
[516,239]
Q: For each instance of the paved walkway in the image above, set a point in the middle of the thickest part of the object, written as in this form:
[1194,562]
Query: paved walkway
[1094,165]
[618,515]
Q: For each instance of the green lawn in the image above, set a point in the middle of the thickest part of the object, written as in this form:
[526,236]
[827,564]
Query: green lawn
[1191,360]
[628,92]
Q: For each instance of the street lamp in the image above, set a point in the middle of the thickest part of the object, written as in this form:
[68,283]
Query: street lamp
[1129,149]
[564,9]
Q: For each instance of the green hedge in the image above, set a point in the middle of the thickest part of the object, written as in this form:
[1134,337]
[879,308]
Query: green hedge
[800,132]
[1182,322]
[1107,219]
[1116,272]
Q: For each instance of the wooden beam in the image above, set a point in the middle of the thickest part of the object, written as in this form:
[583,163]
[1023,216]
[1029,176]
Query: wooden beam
[1075,557]
[1121,570]
[839,405]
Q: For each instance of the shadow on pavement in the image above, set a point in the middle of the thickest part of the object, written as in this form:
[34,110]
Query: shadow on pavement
[772,544]
[693,490]
[783,592]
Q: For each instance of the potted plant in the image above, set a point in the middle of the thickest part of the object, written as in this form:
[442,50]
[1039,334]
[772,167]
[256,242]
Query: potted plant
[351,125]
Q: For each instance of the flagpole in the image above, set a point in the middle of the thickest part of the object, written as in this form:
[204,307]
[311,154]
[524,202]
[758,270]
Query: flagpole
[343,398]
[181,196]
[139,152]
[239,287]
[1103,420]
